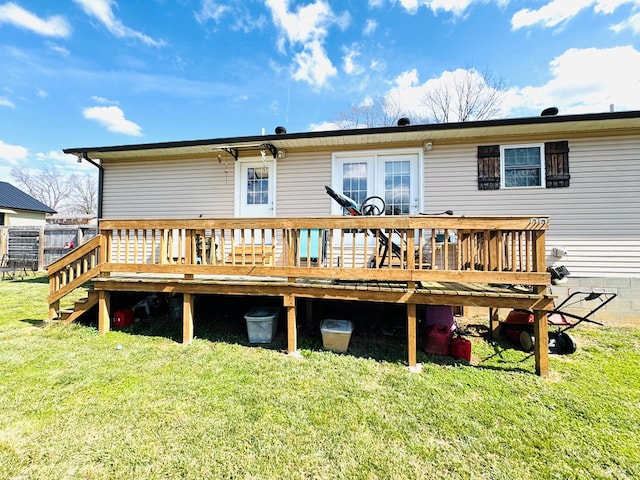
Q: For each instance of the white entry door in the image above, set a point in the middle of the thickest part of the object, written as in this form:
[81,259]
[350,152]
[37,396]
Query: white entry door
[256,189]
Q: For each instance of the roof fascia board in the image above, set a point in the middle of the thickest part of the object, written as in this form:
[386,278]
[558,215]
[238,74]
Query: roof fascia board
[464,130]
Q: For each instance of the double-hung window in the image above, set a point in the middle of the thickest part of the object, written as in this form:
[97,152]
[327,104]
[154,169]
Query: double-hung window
[522,166]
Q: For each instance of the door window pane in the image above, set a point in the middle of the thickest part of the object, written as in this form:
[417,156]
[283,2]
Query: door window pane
[354,181]
[397,187]
[257,186]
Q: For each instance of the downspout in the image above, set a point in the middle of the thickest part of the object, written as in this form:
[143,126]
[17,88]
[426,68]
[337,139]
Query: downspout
[85,156]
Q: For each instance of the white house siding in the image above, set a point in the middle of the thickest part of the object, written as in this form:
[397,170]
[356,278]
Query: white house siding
[184,188]
[300,187]
[596,219]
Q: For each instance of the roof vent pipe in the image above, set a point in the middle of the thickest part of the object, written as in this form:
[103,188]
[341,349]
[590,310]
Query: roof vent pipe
[403,122]
[281,130]
[549,112]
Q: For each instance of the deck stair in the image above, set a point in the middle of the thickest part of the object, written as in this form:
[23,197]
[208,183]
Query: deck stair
[80,307]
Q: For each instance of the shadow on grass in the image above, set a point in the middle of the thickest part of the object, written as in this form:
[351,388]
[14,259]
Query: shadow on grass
[38,278]
[34,322]
[379,335]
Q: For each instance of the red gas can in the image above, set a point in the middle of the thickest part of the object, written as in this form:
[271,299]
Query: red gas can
[461,348]
[122,318]
[437,339]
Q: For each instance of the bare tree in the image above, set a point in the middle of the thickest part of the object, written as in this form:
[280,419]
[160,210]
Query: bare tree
[464,95]
[47,185]
[84,194]
[378,111]
[75,194]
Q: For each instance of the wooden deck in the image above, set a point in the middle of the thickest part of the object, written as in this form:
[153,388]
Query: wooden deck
[481,262]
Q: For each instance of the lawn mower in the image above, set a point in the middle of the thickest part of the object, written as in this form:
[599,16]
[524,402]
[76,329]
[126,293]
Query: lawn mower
[518,326]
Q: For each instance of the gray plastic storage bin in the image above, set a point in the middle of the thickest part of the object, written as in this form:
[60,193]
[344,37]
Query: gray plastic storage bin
[336,334]
[262,324]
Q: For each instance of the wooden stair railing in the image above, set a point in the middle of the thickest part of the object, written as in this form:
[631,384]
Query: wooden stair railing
[80,307]
[71,271]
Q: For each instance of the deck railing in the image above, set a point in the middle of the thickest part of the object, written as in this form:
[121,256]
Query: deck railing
[500,250]
[503,250]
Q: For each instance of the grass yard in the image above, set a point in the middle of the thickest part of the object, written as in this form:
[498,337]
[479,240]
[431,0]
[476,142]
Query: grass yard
[138,405]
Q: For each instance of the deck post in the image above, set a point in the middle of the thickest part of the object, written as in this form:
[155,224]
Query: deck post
[187,318]
[540,327]
[412,337]
[104,316]
[494,323]
[541,346]
[289,302]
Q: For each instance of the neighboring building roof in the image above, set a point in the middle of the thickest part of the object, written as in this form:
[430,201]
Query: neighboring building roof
[617,123]
[14,198]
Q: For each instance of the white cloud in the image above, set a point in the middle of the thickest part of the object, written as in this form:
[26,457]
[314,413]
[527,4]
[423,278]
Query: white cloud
[349,61]
[314,66]
[67,163]
[56,155]
[557,12]
[549,15]
[12,153]
[632,23]
[411,6]
[102,10]
[307,27]
[609,6]
[104,101]
[5,102]
[324,126]
[234,15]
[210,10]
[456,7]
[55,26]
[62,51]
[377,66]
[585,80]
[370,27]
[113,119]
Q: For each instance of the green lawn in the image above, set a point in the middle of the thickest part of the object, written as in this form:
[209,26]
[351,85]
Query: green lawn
[138,405]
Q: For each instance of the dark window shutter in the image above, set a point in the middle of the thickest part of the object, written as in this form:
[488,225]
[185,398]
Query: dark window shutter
[489,167]
[556,159]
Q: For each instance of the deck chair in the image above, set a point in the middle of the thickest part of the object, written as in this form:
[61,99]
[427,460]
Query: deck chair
[373,205]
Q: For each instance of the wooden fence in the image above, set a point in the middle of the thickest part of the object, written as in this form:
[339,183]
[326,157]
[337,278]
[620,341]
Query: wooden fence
[43,243]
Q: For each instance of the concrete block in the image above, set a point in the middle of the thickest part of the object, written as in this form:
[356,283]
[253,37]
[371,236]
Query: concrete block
[617,282]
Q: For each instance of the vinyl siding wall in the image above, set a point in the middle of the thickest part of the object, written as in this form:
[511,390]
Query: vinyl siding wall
[596,218]
[301,181]
[168,188]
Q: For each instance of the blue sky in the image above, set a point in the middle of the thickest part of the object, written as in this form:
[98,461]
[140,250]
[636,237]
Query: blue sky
[103,72]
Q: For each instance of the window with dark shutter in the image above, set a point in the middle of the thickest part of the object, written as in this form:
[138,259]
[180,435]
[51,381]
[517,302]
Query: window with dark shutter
[489,167]
[556,159]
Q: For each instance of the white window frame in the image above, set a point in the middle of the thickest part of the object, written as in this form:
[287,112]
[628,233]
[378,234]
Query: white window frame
[375,173]
[503,176]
